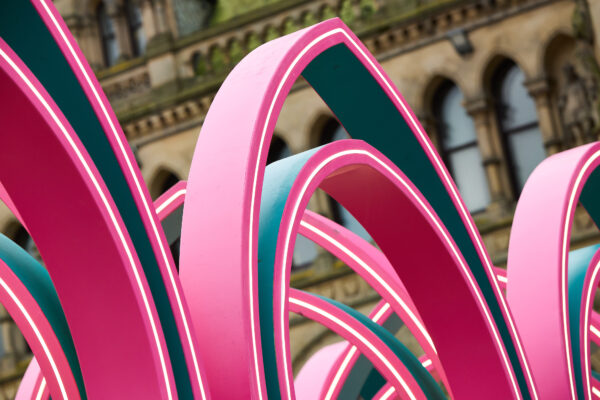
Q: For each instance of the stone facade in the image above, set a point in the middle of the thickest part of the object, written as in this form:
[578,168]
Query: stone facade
[164,73]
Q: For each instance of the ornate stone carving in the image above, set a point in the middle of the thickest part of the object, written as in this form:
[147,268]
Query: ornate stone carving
[576,104]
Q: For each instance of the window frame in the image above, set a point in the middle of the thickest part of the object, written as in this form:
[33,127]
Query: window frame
[498,81]
[445,151]
[105,37]
[129,7]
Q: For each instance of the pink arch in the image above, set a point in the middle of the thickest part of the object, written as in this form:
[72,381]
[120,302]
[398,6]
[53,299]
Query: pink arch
[124,155]
[57,223]
[366,341]
[311,379]
[343,165]
[334,364]
[39,334]
[368,262]
[537,258]
[274,67]
[33,385]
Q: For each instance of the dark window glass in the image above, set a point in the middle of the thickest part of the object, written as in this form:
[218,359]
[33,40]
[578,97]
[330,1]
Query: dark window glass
[459,147]
[110,47]
[23,239]
[517,120]
[278,150]
[168,182]
[136,30]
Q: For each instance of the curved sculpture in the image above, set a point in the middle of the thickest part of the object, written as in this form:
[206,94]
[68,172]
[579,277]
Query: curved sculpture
[111,317]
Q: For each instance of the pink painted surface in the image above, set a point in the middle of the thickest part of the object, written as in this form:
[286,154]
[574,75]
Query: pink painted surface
[311,379]
[33,386]
[387,392]
[219,239]
[595,322]
[218,250]
[334,238]
[596,389]
[5,198]
[394,208]
[537,263]
[319,379]
[170,200]
[369,263]
[338,373]
[139,191]
[29,386]
[590,287]
[38,333]
[383,359]
[90,258]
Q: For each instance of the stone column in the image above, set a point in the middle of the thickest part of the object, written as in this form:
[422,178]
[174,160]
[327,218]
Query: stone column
[161,20]
[170,17]
[89,41]
[594,10]
[480,110]
[85,33]
[162,66]
[148,19]
[539,90]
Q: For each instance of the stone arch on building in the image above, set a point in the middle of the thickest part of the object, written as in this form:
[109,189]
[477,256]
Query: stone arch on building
[163,179]
[428,100]
[559,47]
[11,228]
[490,69]
[454,133]
[278,149]
[318,125]
[557,57]
[319,337]
[86,7]
[517,160]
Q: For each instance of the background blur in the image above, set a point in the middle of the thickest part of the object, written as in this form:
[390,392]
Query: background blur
[498,85]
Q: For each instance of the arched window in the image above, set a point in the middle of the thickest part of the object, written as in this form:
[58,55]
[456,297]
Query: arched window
[334,131]
[164,181]
[137,37]
[518,123]
[110,46]
[305,251]
[278,150]
[459,147]
[23,239]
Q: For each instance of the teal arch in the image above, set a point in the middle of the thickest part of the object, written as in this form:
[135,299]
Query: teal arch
[25,32]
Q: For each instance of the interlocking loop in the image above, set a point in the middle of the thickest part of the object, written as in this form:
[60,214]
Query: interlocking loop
[111,317]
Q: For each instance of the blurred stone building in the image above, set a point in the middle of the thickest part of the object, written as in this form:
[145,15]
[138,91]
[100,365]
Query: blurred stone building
[498,85]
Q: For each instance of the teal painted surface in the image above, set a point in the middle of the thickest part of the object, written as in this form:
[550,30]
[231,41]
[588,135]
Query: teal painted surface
[579,262]
[578,266]
[279,178]
[37,281]
[367,113]
[364,378]
[373,384]
[35,46]
[426,382]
